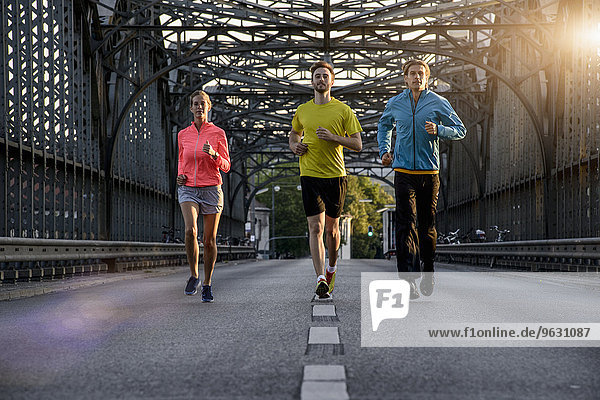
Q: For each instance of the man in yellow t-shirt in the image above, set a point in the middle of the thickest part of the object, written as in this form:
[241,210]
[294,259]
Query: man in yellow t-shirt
[320,128]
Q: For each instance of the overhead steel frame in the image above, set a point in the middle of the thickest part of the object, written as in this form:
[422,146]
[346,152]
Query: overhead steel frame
[253,56]
[489,58]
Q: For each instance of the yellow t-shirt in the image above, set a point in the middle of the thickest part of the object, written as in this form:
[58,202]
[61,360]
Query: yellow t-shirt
[324,159]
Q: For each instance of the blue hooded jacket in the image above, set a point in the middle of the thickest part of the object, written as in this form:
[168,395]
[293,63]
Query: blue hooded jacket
[417,150]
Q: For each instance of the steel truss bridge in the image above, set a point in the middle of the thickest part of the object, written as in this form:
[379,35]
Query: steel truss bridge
[93,93]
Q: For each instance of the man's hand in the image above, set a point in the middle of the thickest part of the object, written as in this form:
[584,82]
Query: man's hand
[296,145]
[431,128]
[324,134]
[386,159]
[181,179]
[299,148]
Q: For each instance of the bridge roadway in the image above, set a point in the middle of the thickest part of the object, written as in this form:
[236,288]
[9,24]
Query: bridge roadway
[138,336]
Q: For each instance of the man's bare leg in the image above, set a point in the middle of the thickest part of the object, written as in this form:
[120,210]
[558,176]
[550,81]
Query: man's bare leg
[316,224]
[332,235]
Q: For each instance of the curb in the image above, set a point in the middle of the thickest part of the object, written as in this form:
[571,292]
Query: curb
[13,292]
[76,283]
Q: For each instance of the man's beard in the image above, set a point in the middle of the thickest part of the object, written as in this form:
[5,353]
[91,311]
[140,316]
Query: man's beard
[322,90]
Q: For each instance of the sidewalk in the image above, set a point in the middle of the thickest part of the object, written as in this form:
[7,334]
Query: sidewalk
[10,291]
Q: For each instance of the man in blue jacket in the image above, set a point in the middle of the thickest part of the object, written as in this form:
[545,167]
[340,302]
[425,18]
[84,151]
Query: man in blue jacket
[421,117]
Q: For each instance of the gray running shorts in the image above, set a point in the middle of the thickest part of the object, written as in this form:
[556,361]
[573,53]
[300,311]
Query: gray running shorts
[209,198]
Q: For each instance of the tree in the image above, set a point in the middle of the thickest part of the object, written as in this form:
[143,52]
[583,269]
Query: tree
[365,214]
[290,219]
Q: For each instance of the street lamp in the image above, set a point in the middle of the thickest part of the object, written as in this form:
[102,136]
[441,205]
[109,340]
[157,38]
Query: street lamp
[275,189]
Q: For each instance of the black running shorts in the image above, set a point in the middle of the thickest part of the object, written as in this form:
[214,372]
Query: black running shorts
[323,194]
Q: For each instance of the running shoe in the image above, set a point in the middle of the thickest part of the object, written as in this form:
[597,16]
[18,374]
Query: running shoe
[427,283]
[330,276]
[322,287]
[414,292]
[192,286]
[207,296]
[326,296]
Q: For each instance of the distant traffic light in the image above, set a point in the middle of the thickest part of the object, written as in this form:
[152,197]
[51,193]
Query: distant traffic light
[370,233]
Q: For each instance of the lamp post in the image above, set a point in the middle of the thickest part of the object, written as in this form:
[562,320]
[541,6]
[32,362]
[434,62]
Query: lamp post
[257,234]
[276,188]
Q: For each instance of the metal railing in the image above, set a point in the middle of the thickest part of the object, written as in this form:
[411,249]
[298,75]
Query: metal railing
[581,255]
[31,259]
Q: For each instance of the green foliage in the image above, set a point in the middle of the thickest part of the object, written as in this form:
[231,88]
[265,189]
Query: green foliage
[365,214]
[290,219]
[364,246]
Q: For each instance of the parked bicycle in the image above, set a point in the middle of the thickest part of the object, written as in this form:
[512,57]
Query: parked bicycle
[480,236]
[466,237]
[452,237]
[441,238]
[245,242]
[501,233]
[224,240]
[169,235]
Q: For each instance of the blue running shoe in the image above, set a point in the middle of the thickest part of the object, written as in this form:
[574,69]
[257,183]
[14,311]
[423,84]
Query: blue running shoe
[192,286]
[207,296]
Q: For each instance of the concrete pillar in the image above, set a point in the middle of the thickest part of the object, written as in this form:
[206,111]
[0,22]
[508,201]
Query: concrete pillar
[345,252]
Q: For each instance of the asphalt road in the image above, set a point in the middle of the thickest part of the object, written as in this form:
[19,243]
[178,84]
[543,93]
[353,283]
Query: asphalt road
[144,339]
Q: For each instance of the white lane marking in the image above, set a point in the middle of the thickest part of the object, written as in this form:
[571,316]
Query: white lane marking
[312,390]
[324,382]
[323,335]
[320,310]
[324,373]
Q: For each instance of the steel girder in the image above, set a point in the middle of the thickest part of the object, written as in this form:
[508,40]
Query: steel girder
[93,93]
[487,57]
[253,56]
[49,149]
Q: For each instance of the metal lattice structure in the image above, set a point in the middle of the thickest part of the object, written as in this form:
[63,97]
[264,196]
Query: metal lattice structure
[94,92]
[51,158]
[536,163]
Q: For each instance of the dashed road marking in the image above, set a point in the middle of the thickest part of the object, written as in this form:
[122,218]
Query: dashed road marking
[324,373]
[317,299]
[324,382]
[320,310]
[323,335]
